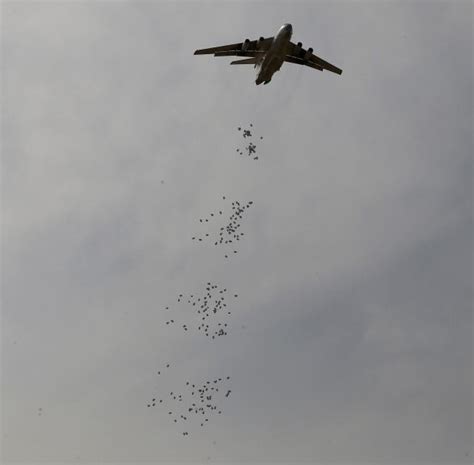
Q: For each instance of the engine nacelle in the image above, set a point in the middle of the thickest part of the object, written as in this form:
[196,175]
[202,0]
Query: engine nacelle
[308,53]
[245,45]
[298,47]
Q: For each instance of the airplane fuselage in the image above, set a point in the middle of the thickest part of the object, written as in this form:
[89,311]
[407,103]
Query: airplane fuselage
[275,55]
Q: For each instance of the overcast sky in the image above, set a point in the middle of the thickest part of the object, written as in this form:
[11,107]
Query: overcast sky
[351,338]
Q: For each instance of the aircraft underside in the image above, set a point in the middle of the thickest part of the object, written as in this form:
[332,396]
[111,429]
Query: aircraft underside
[268,69]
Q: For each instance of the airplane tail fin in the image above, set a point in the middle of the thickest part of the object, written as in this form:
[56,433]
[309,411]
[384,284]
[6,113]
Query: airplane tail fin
[247,61]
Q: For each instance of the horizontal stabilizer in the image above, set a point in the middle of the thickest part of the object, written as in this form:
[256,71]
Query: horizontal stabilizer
[247,61]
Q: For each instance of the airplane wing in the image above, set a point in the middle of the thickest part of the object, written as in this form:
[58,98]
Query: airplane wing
[247,48]
[298,55]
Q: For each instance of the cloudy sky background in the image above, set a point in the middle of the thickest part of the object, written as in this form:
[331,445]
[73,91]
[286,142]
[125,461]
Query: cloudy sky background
[351,339]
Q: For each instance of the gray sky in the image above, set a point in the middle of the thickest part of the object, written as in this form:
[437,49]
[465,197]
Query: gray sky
[351,338]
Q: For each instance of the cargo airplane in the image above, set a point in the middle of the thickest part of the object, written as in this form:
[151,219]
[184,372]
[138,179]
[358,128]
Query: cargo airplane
[268,54]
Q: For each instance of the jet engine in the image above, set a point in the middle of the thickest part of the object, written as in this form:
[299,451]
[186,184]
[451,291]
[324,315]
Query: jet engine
[245,45]
[308,53]
[297,49]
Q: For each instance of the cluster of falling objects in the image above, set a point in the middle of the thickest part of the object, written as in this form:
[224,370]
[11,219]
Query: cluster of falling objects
[229,233]
[250,149]
[195,404]
[210,312]
[199,402]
